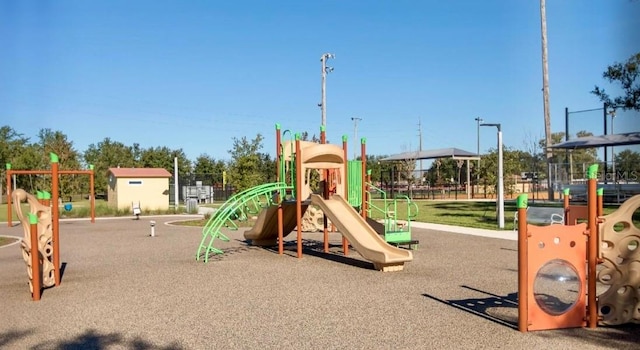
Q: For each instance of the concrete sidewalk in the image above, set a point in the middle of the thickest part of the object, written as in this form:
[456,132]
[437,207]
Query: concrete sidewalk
[500,234]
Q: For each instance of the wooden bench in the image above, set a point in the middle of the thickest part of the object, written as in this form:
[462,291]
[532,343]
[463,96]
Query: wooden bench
[542,216]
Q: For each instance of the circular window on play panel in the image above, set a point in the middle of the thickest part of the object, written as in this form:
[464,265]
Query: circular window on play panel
[556,287]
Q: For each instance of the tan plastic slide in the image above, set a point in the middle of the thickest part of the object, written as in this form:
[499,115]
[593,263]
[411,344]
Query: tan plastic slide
[364,239]
[265,231]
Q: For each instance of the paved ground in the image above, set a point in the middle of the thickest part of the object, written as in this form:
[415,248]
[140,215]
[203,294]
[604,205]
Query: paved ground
[124,289]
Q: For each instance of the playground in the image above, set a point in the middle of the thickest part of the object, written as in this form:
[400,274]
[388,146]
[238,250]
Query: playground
[123,289]
[131,283]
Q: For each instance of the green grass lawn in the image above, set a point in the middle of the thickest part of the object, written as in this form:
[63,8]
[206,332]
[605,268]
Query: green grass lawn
[458,213]
[5,240]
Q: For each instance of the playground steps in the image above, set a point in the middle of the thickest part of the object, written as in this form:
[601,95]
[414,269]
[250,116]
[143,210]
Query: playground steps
[388,267]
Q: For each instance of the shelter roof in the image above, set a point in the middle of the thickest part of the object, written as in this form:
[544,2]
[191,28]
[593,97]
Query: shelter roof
[139,172]
[630,138]
[455,153]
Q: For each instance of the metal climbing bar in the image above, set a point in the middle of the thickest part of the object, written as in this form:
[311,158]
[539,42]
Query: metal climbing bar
[230,209]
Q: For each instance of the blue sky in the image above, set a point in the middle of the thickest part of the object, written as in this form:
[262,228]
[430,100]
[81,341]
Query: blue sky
[195,74]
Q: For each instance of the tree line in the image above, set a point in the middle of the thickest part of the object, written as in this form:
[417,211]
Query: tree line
[250,166]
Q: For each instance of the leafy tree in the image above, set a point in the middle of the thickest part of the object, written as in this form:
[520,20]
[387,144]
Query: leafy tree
[627,165]
[107,154]
[162,157]
[625,74]
[206,167]
[51,141]
[246,167]
[12,145]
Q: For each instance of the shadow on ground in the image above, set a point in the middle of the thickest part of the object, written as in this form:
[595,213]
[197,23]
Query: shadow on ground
[90,339]
[315,248]
[499,309]
[481,306]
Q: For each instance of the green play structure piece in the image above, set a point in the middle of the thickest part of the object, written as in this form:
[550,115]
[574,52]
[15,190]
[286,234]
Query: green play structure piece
[354,182]
[396,230]
[33,218]
[521,201]
[600,191]
[237,207]
[592,172]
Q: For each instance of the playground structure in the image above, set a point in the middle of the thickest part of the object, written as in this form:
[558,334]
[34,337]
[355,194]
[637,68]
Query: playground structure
[281,206]
[41,225]
[555,287]
[36,245]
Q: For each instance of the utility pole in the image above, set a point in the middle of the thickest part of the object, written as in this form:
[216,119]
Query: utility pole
[355,134]
[420,147]
[545,94]
[325,70]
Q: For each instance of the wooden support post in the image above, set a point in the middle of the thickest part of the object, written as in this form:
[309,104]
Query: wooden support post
[565,204]
[279,177]
[363,152]
[600,193]
[55,212]
[325,195]
[92,194]
[36,273]
[9,214]
[345,178]
[592,250]
[299,184]
[523,237]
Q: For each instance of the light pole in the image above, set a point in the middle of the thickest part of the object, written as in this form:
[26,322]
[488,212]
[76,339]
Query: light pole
[478,121]
[500,202]
[612,113]
[325,70]
[355,134]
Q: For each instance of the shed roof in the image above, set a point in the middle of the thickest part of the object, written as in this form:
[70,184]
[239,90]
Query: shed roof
[139,172]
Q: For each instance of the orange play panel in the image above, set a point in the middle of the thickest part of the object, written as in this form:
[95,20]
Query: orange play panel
[556,276]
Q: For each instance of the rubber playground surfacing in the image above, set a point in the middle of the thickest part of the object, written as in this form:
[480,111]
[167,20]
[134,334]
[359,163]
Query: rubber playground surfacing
[123,289]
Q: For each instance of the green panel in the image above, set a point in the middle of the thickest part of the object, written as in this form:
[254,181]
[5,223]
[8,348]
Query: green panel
[355,182]
[394,237]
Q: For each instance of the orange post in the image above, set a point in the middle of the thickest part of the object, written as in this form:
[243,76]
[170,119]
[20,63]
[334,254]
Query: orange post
[345,180]
[278,177]
[8,167]
[46,198]
[55,209]
[600,193]
[36,274]
[523,295]
[299,183]
[363,152]
[592,250]
[92,194]
[325,195]
[565,205]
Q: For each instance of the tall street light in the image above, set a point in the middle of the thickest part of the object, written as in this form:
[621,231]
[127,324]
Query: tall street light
[612,113]
[325,70]
[478,121]
[500,202]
